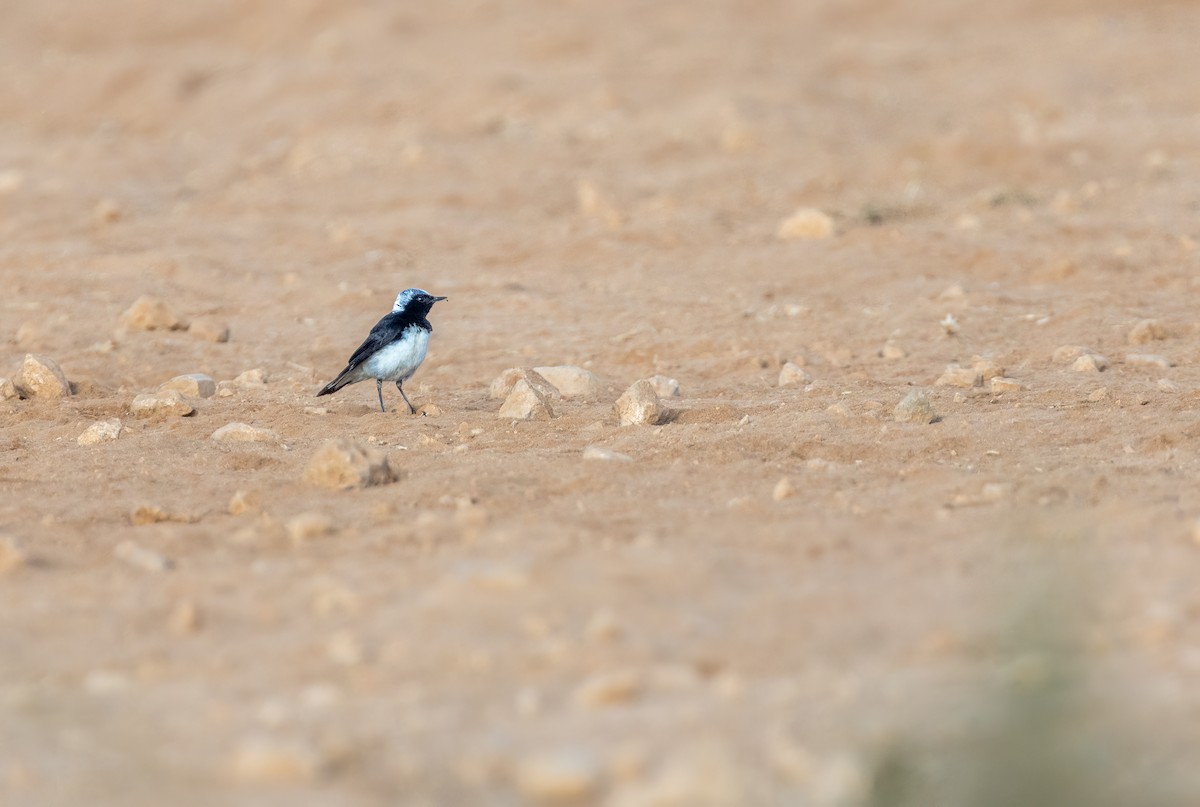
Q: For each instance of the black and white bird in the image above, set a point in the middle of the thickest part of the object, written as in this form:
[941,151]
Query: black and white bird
[394,349]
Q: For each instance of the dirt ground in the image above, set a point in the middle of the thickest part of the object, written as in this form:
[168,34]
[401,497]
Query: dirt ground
[599,184]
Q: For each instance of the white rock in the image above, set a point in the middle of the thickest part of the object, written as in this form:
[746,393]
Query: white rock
[956,376]
[784,489]
[251,379]
[102,431]
[1147,360]
[1004,384]
[244,433]
[8,390]
[559,776]
[194,385]
[986,369]
[151,314]
[210,329]
[665,387]
[41,377]
[1090,363]
[344,464]
[915,407]
[160,404]
[600,453]
[807,223]
[572,381]
[526,402]
[639,405]
[1147,330]
[791,374]
[1067,354]
[140,557]
[503,383]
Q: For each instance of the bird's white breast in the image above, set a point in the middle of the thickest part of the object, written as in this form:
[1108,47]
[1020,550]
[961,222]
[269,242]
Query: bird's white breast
[401,358]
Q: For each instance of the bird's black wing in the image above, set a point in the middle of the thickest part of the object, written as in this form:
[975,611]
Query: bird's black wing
[386,331]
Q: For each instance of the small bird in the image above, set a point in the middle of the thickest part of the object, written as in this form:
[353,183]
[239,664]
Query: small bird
[394,349]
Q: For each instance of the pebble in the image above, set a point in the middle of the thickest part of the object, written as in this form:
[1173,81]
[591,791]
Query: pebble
[11,556]
[665,387]
[807,224]
[639,405]
[343,464]
[1098,394]
[1167,385]
[244,501]
[305,527]
[185,618]
[194,385]
[599,453]
[572,381]
[1146,330]
[1067,354]
[8,390]
[558,776]
[915,407]
[950,325]
[41,377]
[151,314]
[891,351]
[102,431]
[1005,384]
[269,761]
[784,489]
[244,433]
[956,376]
[502,384]
[791,374]
[139,557]
[986,369]
[251,379]
[608,689]
[526,402]
[1090,363]
[160,404]
[210,329]
[1147,360]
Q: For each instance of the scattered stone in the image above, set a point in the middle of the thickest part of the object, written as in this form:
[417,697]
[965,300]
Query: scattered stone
[791,374]
[608,689]
[986,369]
[151,314]
[226,389]
[891,351]
[1098,394]
[194,385]
[1167,385]
[267,761]
[139,557]
[251,379]
[244,433]
[345,464]
[639,405]
[185,618]
[956,376]
[8,390]
[1005,384]
[784,489]
[244,501]
[308,526]
[572,381]
[102,431]
[11,556]
[559,776]
[210,329]
[915,407]
[599,453]
[41,377]
[1090,363]
[949,325]
[168,403]
[526,402]
[1147,360]
[959,398]
[665,387]
[807,224]
[1067,354]
[1147,330]
[503,383]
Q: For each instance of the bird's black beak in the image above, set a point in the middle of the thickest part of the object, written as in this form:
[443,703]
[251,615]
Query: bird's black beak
[439,299]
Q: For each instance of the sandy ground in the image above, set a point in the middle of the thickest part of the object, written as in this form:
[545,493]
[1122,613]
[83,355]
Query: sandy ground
[599,184]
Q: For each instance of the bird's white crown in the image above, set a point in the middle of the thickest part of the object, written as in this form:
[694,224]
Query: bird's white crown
[403,297]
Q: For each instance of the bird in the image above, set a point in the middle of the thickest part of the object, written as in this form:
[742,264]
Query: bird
[394,348]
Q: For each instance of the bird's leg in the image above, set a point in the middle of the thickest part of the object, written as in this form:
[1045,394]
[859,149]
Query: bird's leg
[412,410]
[379,389]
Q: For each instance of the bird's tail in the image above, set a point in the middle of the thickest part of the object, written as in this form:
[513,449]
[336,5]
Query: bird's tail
[346,377]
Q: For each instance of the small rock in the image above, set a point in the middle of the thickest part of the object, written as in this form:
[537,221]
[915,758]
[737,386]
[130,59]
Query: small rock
[665,387]
[102,431]
[160,404]
[11,556]
[145,559]
[956,376]
[599,453]
[344,464]
[639,405]
[1147,330]
[151,314]
[1147,360]
[266,761]
[226,389]
[1090,363]
[572,381]
[1005,384]
[891,351]
[791,374]
[503,383]
[950,325]
[608,689]
[1067,354]
[526,402]
[251,379]
[209,329]
[1098,394]
[559,776]
[244,501]
[185,618]
[308,526]
[194,385]
[986,369]
[244,433]
[915,407]
[8,390]
[784,489]
[41,377]
[1167,385]
[807,223]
